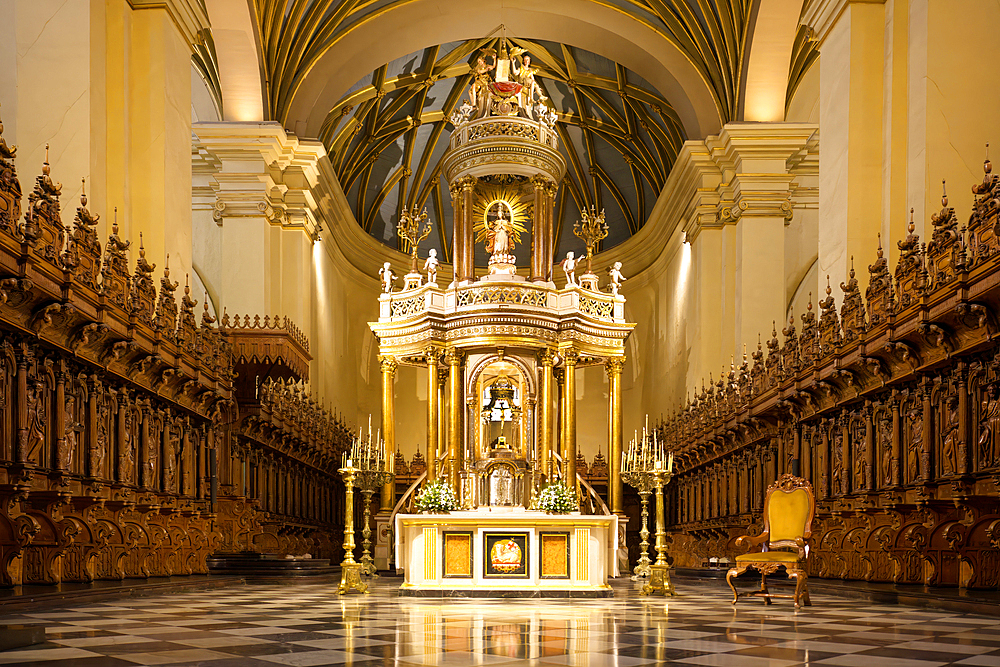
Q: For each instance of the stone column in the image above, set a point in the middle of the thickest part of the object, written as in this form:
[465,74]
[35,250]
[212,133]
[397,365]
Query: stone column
[545,431]
[388,367]
[432,413]
[569,435]
[615,490]
[456,405]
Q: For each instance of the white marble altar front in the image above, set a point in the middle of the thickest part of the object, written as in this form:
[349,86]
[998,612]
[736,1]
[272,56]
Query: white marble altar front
[434,552]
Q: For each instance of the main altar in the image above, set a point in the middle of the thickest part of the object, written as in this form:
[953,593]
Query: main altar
[502,351]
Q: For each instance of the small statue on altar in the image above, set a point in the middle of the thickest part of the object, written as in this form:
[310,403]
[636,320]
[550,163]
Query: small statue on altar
[431,266]
[498,240]
[387,276]
[569,268]
[615,272]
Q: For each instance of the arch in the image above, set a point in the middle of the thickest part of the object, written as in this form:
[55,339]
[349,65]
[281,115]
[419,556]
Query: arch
[606,30]
[774,28]
[238,55]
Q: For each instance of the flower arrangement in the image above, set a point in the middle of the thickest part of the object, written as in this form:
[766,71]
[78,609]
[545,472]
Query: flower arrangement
[555,498]
[436,497]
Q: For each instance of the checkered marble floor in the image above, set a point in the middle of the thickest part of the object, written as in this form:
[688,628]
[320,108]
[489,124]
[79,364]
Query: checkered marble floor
[309,624]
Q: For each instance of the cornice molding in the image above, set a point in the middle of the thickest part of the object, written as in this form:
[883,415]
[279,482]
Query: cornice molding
[190,16]
[820,16]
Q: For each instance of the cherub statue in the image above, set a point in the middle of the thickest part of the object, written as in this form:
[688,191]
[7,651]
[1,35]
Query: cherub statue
[387,276]
[462,114]
[616,278]
[431,266]
[569,268]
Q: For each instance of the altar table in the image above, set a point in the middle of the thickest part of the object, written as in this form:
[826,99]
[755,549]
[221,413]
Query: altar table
[506,552]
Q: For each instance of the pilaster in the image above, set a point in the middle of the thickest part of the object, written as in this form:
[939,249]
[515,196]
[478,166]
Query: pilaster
[256,214]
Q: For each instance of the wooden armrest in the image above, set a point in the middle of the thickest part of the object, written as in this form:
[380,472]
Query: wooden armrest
[751,541]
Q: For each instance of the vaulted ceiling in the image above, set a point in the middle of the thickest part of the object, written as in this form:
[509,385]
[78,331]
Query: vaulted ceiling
[632,79]
[388,135]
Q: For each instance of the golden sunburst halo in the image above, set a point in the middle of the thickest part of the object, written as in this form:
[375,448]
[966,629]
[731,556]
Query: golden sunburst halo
[510,197]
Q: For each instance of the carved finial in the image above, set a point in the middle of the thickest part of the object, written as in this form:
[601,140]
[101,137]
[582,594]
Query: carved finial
[758,341]
[45,165]
[142,250]
[987,165]
[809,304]
[744,353]
[166,267]
[114,224]
[944,194]
[774,329]
[83,191]
[828,290]
[912,226]
[852,266]
[879,251]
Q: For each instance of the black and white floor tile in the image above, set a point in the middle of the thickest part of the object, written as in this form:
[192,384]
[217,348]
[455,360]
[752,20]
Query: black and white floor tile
[309,625]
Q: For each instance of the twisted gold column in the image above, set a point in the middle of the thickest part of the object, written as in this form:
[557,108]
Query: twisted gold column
[388,366]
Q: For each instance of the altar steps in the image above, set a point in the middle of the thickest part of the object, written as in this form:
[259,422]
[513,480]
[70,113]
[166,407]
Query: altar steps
[254,565]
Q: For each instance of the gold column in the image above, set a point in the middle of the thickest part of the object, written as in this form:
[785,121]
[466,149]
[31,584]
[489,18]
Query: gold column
[550,206]
[468,249]
[457,234]
[455,407]
[539,225]
[432,413]
[559,419]
[615,490]
[442,442]
[388,366]
[570,421]
[545,430]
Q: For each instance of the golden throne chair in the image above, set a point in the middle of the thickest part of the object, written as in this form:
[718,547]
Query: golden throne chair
[789,507]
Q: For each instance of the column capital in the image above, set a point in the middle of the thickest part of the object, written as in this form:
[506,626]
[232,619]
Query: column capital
[454,356]
[614,366]
[388,364]
[433,355]
[547,357]
[539,182]
[467,183]
[821,16]
[190,16]
[571,357]
[257,170]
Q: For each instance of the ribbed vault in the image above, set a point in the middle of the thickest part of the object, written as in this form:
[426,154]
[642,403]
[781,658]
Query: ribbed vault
[295,35]
[387,137]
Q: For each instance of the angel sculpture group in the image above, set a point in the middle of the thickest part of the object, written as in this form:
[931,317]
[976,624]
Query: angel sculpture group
[513,65]
[615,275]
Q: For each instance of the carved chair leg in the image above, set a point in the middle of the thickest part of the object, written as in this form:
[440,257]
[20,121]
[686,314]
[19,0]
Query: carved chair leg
[801,587]
[731,580]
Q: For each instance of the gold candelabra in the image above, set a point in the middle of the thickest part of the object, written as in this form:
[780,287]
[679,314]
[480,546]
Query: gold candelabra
[414,228]
[350,576]
[372,472]
[591,230]
[647,466]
